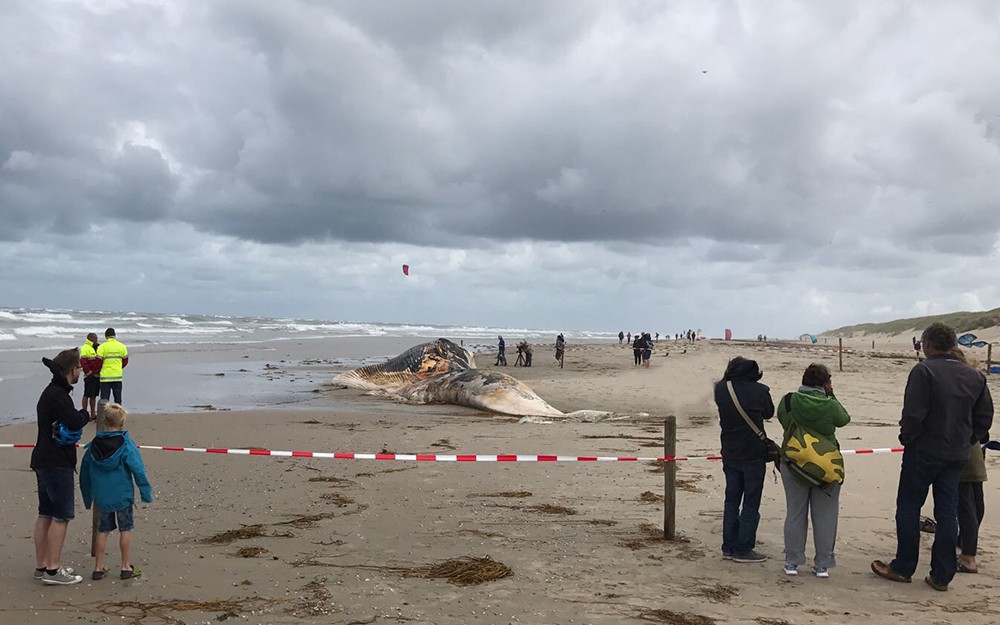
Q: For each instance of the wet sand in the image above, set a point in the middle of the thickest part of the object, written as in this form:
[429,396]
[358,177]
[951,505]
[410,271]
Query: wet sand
[339,540]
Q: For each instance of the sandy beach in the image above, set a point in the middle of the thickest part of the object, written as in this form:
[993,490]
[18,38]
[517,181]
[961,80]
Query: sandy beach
[292,540]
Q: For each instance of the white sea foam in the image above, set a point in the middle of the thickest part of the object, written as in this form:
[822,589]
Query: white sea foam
[29,329]
[45,331]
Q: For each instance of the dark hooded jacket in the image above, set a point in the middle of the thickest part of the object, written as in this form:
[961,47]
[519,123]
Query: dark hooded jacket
[56,405]
[739,443]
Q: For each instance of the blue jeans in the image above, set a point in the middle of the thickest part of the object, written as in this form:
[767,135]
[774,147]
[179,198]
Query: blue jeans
[921,471]
[744,483]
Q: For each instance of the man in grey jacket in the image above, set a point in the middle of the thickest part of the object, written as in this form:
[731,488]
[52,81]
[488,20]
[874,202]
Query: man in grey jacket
[947,407]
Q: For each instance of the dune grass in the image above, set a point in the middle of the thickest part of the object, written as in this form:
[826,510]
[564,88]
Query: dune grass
[963,321]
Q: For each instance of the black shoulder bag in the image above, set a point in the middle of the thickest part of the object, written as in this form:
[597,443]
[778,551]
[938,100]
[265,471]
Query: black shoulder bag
[772,450]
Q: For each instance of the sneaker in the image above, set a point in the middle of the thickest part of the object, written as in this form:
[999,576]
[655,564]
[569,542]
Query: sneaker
[727,555]
[791,569]
[41,573]
[62,577]
[821,573]
[750,556]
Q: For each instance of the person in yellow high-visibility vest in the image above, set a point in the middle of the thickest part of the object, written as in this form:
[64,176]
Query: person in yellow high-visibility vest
[92,373]
[113,356]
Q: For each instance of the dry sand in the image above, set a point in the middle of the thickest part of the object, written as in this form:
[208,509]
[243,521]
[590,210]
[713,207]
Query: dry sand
[338,537]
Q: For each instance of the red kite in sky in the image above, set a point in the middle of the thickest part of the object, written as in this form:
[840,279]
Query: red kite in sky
[406,270]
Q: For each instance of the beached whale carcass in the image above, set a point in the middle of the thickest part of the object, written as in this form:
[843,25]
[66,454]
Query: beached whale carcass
[445,373]
[417,363]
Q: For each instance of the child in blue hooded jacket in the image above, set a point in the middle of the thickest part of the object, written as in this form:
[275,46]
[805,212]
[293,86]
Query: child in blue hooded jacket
[110,465]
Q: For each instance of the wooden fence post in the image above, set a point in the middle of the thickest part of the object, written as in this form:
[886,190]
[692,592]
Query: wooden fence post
[669,478]
[101,403]
[840,354]
[989,358]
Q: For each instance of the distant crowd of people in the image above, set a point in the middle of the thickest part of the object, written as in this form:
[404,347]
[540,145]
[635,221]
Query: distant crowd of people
[524,352]
[946,417]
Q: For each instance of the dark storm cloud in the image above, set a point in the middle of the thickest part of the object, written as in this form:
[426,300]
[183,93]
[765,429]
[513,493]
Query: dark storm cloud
[436,122]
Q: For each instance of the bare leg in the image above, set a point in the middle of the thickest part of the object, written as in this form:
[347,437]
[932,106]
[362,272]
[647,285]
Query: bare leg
[42,525]
[100,545]
[125,542]
[54,543]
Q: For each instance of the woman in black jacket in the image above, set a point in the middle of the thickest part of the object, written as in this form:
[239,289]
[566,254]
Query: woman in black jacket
[743,456]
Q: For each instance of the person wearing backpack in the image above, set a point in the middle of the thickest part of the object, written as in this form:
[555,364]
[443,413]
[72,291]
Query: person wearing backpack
[812,469]
[53,459]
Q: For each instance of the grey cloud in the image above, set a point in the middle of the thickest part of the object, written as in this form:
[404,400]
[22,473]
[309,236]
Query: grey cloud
[777,137]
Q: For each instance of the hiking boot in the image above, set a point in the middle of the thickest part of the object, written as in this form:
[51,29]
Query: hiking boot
[749,557]
[62,577]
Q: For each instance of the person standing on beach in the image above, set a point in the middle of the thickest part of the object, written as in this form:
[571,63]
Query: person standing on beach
[637,346]
[971,503]
[501,353]
[744,456]
[113,356]
[525,348]
[91,373]
[60,426]
[946,408]
[647,349]
[110,467]
[815,413]
[621,337]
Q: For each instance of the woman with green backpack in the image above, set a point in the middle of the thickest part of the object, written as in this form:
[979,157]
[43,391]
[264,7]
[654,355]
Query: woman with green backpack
[812,469]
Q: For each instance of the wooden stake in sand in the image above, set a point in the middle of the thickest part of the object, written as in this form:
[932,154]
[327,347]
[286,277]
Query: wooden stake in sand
[669,478]
[840,354]
[989,358]
[101,403]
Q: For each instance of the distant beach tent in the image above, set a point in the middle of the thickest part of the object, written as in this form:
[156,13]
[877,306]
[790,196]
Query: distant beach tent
[969,340]
[729,334]
[808,337]
[406,270]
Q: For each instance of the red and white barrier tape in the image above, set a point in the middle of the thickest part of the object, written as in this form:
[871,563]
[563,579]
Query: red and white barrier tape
[449,457]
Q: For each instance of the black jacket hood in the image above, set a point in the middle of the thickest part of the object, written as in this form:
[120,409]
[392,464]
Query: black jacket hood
[58,377]
[743,369]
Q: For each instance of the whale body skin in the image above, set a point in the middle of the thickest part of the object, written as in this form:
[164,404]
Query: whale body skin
[493,391]
[417,363]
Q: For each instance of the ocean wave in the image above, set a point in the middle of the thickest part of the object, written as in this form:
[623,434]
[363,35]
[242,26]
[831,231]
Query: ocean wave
[46,331]
[40,328]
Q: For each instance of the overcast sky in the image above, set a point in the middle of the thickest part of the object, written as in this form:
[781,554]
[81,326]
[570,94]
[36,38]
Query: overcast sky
[775,167]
